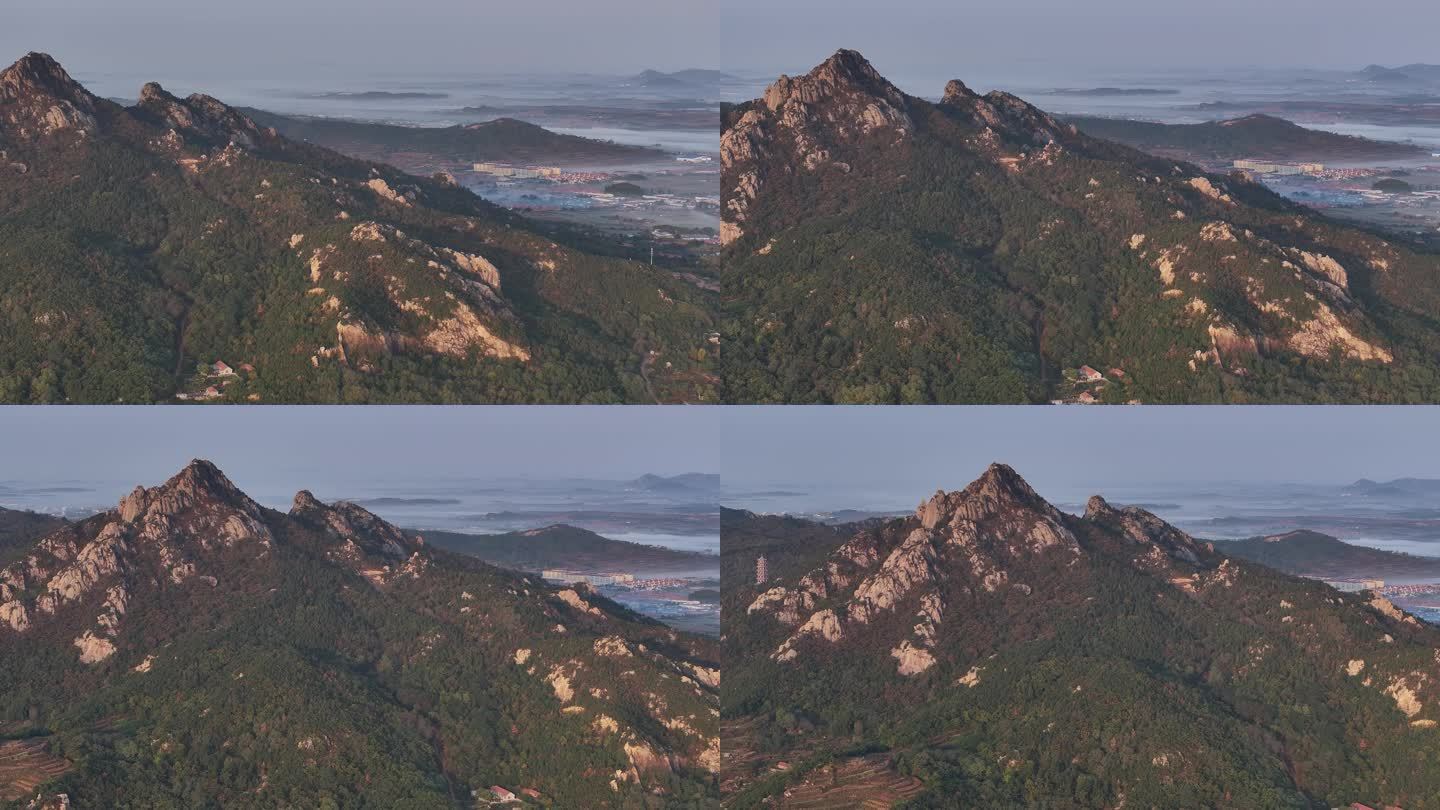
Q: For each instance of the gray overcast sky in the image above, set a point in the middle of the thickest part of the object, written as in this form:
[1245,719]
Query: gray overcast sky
[326,448]
[944,38]
[269,38]
[1063,449]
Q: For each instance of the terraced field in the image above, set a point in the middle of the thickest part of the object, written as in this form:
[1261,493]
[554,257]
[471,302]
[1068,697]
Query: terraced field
[869,783]
[25,765]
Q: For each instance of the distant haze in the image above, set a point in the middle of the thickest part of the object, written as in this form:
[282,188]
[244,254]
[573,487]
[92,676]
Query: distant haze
[279,38]
[887,454]
[915,41]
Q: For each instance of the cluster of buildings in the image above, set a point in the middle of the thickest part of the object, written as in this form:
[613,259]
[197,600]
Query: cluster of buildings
[1264,167]
[1355,585]
[1348,174]
[1413,589]
[698,201]
[659,584]
[564,576]
[1089,383]
[222,375]
[561,576]
[519,173]
[502,795]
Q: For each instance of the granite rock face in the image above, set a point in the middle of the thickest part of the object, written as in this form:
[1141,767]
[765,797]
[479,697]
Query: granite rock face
[901,580]
[38,98]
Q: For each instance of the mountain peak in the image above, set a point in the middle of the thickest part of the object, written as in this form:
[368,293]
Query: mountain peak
[1144,528]
[1003,478]
[955,91]
[997,489]
[199,115]
[849,65]
[304,501]
[153,93]
[39,73]
[202,476]
[1097,507]
[38,96]
[845,74]
[200,483]
[355,525]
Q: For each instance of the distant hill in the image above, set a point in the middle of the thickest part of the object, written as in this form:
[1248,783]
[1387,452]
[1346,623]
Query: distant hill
[707,482]
[682,78]
[1312,554]
[1399,487]
[503,139]
[1405,73]
[18,528]
[562,546]
[791,545]
[1253,136]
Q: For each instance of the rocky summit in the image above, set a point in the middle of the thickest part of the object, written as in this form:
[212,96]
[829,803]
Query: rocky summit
[191,642]
[977,249]
[181,237]
[992,650]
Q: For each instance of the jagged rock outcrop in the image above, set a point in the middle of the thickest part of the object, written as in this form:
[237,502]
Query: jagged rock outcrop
[201,117]
[842,99]
[985,539]
[972,535]
[164,534]
[38,98]
[361,531]
[1144,529]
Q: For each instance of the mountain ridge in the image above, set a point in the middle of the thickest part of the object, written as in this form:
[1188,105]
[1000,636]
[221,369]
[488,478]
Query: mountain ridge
[991,650]
[980,250]
[330,278]
[1251,136]
[189,614]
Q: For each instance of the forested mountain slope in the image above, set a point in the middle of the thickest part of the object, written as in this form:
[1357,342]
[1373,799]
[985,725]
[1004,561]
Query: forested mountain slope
[884,248]
[191,648]
[137,243]
[992,651]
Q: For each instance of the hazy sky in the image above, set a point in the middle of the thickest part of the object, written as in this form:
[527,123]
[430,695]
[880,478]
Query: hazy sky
[289,448]
[1073,449]
[948,39]
[271,38]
